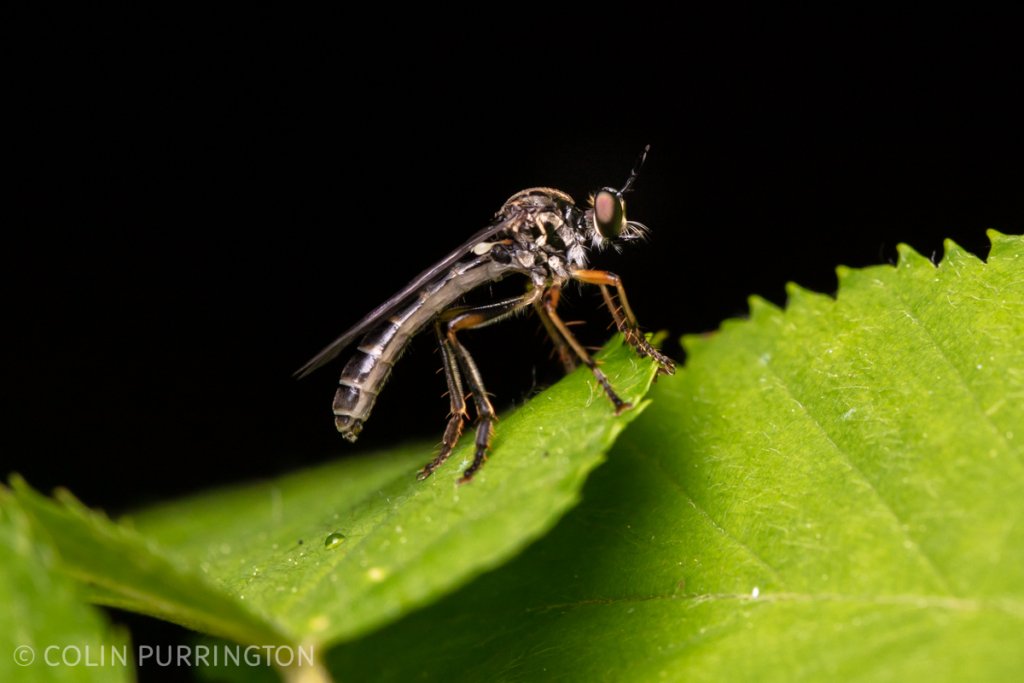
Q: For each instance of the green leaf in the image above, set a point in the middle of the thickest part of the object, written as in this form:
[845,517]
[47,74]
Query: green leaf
[833,492]
[47,633]
[128,571]
[251,564]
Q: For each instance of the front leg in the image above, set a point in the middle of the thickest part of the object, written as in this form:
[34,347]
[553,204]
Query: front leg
[623,316]
[550,302]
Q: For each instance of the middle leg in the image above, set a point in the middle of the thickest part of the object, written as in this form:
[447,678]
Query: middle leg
[466,318]
[457,414]
[564,354]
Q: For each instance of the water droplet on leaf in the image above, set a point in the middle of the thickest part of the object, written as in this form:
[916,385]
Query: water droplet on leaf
[334,540]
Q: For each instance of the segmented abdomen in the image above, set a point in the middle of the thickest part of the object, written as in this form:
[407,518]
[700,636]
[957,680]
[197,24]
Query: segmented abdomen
[368,369]
[364,376]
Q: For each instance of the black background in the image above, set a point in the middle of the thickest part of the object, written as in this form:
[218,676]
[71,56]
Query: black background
[202,205]
[199,203]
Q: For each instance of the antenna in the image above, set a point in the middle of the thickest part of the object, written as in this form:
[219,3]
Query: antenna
[636,170]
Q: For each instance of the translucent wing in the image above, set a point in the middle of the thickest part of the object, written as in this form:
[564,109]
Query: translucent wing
[331,351]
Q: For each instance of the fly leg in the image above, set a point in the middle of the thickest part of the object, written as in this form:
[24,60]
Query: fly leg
[457,415]
[624,318]
[465,318]
[564,353]
[550,301]
[485,415]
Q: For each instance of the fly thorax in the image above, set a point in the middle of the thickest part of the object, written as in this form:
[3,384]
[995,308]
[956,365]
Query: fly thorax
[577,255]
[525,258]
[547,225]
[557,266]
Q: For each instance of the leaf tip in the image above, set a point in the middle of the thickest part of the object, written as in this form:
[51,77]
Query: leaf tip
[69,500]
[1004,246]
[656,338]
[760,307]
[18,483]
[798,296]
[953,252]
[693,343]
[910,257]
[995,235]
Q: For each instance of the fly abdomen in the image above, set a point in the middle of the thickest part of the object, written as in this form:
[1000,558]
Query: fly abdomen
[370,366]
[364,376]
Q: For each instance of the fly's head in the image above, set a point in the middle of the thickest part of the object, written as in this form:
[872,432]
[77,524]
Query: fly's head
[606,220]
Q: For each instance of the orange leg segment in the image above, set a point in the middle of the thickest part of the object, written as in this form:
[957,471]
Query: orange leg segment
[623,315]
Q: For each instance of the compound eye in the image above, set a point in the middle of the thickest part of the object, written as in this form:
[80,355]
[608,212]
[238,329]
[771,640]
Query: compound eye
[609,213]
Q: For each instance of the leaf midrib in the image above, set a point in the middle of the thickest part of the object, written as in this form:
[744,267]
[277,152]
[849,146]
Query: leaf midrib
[1009,606]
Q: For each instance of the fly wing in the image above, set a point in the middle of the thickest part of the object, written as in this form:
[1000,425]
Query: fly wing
[331,351]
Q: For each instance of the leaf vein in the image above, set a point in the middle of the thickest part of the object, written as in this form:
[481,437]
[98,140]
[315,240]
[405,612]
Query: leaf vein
[674,481]
[920,324]
[912,543]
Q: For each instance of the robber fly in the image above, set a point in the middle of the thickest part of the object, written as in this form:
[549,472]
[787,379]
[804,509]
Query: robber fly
[538,233]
